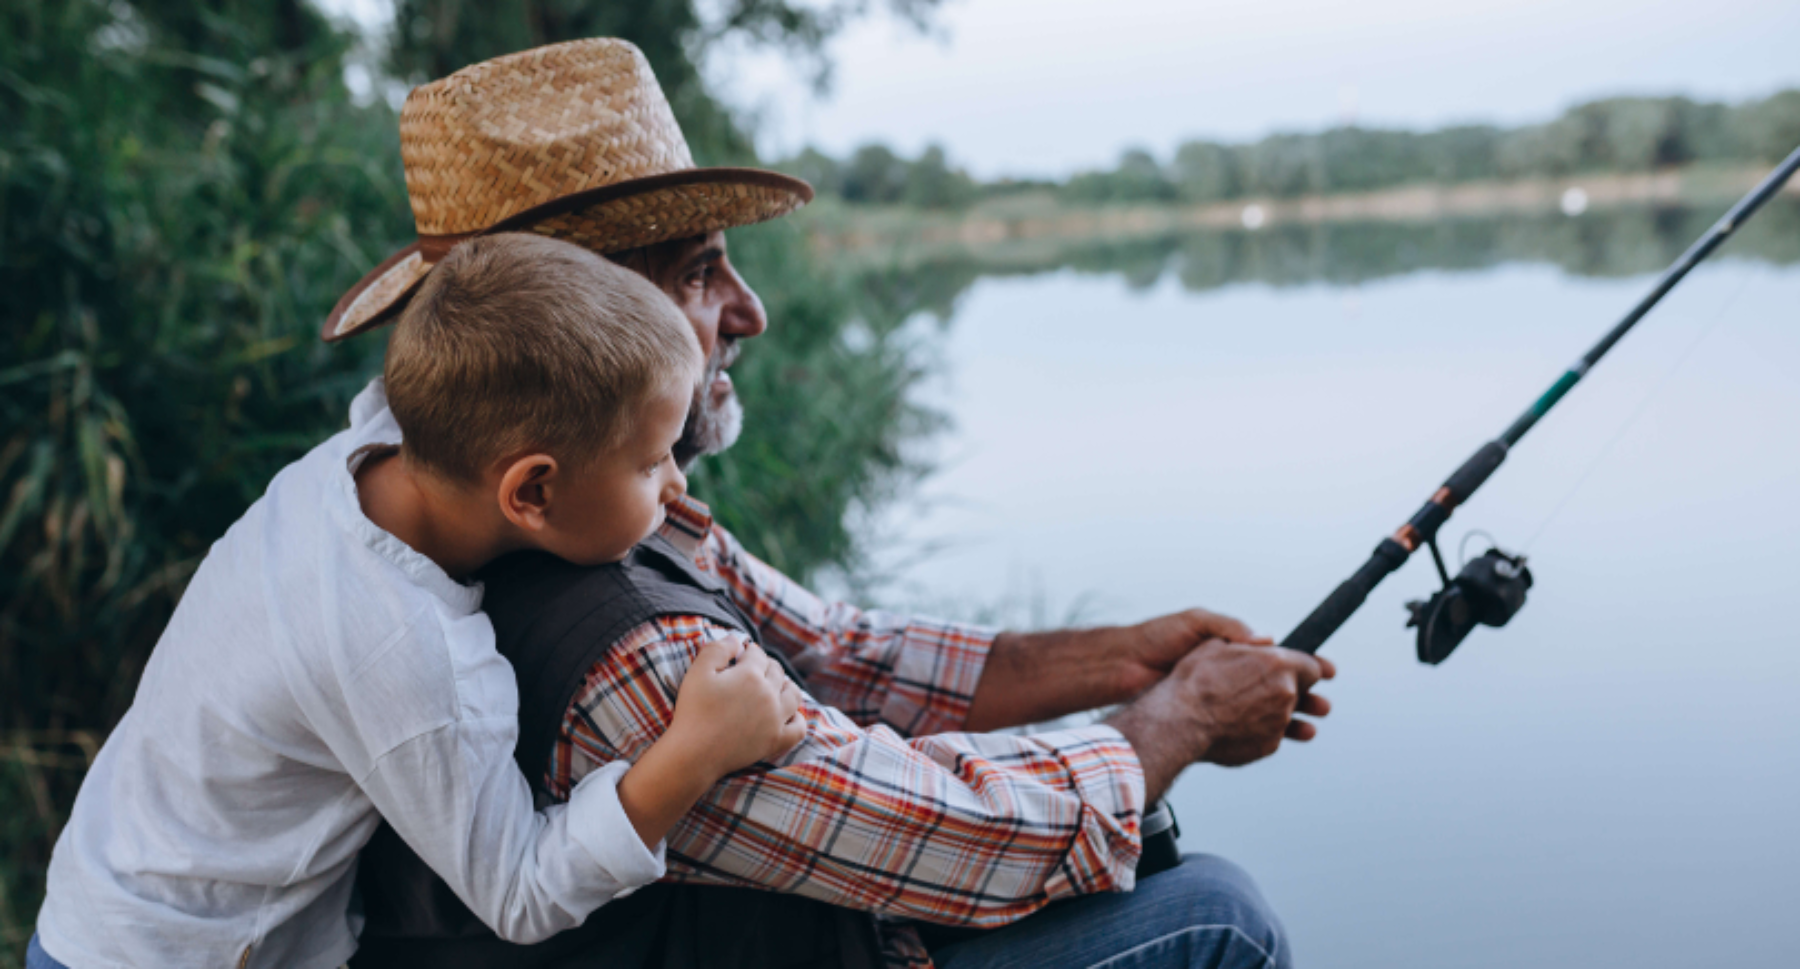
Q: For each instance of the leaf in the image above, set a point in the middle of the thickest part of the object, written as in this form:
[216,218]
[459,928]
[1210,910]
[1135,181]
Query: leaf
[28,491]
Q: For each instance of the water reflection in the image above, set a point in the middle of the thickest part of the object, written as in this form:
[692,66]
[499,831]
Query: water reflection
[1601,243]
[1233,420]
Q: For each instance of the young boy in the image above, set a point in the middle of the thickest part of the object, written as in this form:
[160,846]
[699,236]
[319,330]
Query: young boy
[327,666]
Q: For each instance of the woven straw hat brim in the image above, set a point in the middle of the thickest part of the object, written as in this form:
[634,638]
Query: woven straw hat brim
[612,218]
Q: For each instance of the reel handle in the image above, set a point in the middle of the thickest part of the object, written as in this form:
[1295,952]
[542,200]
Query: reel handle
[1159,831]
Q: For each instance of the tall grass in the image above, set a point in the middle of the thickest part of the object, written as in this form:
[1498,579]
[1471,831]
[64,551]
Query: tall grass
[182,197]
[185,189]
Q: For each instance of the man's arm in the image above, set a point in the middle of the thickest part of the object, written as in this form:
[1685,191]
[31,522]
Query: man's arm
[961,829]
[1037,677]
[922,676]
[916,675]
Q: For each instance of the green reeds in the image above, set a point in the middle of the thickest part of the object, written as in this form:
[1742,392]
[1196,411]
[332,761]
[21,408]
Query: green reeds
[185,189]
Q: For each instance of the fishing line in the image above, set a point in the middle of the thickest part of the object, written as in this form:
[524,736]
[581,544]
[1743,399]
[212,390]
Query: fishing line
[1492,587]
[1643,407]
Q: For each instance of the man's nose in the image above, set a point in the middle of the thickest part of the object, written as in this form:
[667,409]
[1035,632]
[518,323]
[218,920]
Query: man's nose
[742,315]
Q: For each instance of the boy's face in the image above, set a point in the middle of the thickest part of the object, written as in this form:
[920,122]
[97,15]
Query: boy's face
[604,509]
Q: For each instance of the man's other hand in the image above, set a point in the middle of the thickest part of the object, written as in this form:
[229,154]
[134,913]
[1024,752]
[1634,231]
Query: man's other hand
[1160,643]
[1034,677]
[1224,703]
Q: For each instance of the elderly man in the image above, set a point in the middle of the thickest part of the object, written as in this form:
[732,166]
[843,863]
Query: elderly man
[968,848]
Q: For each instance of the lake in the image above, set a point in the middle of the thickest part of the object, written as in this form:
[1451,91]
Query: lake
[1235,421]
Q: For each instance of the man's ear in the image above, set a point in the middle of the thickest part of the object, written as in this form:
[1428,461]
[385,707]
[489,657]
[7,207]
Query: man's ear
[527,489]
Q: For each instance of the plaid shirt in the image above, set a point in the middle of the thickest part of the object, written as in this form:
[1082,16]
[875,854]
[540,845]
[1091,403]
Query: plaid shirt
[954,828]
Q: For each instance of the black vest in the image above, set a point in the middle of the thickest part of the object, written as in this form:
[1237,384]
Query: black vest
[553,621]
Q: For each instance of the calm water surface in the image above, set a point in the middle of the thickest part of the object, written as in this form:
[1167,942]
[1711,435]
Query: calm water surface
[1613,779]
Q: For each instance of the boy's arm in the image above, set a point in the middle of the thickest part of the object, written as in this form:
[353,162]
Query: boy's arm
[456,797]
[736,708]
[662,786]
[453,792]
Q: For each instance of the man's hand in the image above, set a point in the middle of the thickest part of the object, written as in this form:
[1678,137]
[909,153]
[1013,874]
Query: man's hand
[1160,643]
[1034,677]
[1227,703]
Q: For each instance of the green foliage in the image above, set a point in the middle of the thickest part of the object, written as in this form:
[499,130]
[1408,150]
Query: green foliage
[932,184]
[185,190]
[875,175]
[1463,153]
[1617,134]
[179,214]
[1769,128]
[1204,172]
[183,194]
[1138,178]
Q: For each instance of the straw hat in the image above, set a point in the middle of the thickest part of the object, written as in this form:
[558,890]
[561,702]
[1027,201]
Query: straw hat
[574,141]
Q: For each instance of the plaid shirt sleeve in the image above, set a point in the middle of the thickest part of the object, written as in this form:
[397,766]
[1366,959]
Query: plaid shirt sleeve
[915,675]
[962,829]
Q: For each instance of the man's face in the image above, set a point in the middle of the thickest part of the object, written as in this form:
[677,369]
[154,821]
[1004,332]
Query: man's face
[723,309]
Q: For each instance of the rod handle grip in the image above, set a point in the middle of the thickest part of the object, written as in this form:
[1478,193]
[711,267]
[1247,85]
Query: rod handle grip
[1475,471]
[1345,599]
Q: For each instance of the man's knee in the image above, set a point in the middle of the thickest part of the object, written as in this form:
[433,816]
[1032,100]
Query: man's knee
[1205,913]
[1211,891]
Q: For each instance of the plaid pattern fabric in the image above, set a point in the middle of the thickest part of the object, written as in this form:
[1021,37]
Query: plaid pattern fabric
[962,829]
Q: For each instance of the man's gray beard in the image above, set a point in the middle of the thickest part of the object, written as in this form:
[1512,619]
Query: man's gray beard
[711,428]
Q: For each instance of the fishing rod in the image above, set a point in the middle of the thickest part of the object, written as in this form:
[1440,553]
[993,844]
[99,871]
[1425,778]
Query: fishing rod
[1490,589]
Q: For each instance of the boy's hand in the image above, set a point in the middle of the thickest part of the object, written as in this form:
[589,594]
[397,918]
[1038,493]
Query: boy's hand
[736,707]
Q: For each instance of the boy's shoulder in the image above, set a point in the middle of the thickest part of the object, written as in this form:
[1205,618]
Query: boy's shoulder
[354,605]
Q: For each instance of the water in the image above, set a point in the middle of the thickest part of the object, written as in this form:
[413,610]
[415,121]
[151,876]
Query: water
[1613,779]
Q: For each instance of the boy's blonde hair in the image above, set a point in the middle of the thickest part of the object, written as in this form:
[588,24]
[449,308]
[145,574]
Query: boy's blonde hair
[519,343]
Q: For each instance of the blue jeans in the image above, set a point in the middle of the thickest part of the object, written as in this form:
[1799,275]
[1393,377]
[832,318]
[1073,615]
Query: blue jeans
[1205,912]
[37,958]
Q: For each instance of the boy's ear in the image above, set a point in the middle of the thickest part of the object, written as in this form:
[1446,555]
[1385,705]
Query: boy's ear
[527,487]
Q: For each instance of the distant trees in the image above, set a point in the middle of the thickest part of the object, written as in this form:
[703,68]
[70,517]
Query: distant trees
[1204,171]
[875,175]
[1615,134]
[1768,128]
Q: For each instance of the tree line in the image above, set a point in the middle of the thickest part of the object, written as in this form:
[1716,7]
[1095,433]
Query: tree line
[1623,134]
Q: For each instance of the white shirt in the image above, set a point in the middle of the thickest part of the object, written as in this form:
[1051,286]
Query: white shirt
[316,672]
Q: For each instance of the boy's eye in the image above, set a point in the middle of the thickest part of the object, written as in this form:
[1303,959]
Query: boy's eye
[653,467]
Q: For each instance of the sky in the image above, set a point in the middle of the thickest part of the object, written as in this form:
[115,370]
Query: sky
[1047,87]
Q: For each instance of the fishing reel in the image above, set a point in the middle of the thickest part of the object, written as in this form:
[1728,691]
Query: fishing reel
[1488,591]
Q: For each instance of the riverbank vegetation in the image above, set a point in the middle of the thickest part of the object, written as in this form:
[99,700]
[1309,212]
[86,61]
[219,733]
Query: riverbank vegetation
[1614,135]
[185,189]
[1614,242]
